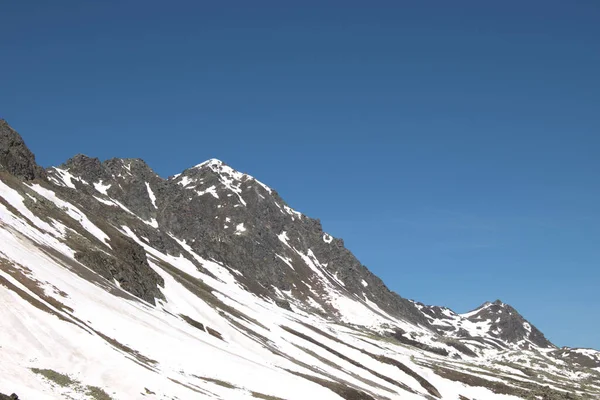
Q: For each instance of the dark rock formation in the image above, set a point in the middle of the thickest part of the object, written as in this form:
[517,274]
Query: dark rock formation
[127,265]
[15,157]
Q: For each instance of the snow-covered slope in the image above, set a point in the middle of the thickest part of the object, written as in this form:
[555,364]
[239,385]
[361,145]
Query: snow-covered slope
[118,284]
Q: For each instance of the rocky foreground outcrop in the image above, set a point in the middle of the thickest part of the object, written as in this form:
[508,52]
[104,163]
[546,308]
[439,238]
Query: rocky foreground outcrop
[15,156]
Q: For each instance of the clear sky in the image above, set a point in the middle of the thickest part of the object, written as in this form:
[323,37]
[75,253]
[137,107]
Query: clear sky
[455,146]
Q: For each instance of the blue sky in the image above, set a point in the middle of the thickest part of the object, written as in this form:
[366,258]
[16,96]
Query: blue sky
[453,145]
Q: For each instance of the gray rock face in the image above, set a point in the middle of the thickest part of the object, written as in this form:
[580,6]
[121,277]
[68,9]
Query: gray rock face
[15,157]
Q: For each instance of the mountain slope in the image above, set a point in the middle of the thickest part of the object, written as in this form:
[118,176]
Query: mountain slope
[208,285]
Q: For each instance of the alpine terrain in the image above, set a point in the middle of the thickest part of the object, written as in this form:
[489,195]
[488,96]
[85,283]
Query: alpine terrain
[116,283]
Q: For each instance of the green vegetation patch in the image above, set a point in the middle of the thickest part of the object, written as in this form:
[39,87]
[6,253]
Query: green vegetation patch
[94,392]
[97,393]
[56,377]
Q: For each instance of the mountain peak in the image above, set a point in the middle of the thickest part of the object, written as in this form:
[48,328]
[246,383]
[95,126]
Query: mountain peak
[507,324]
[213,162]
[220,167]
[15,156]
[214,173]
[83,162]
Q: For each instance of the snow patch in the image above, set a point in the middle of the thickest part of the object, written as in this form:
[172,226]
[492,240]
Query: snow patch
[286,260]
[211,190]
[239,229]
[293,212]
[284,238]
[185,181]
[65,178]
[151,195]
[102,188]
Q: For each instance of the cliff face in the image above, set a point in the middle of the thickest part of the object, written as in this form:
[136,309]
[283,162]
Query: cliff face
[15,156]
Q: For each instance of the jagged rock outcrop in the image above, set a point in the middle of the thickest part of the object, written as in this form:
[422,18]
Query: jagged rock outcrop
[127,265]
[15,156]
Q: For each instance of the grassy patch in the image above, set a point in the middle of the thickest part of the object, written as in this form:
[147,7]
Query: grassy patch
[63,380]
[97,393]
[56,377]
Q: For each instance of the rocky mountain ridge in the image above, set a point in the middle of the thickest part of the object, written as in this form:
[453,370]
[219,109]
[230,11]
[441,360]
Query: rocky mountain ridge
[239,222]
[161,272]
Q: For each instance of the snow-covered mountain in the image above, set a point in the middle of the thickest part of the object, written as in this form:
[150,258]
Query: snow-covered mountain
[118,284]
